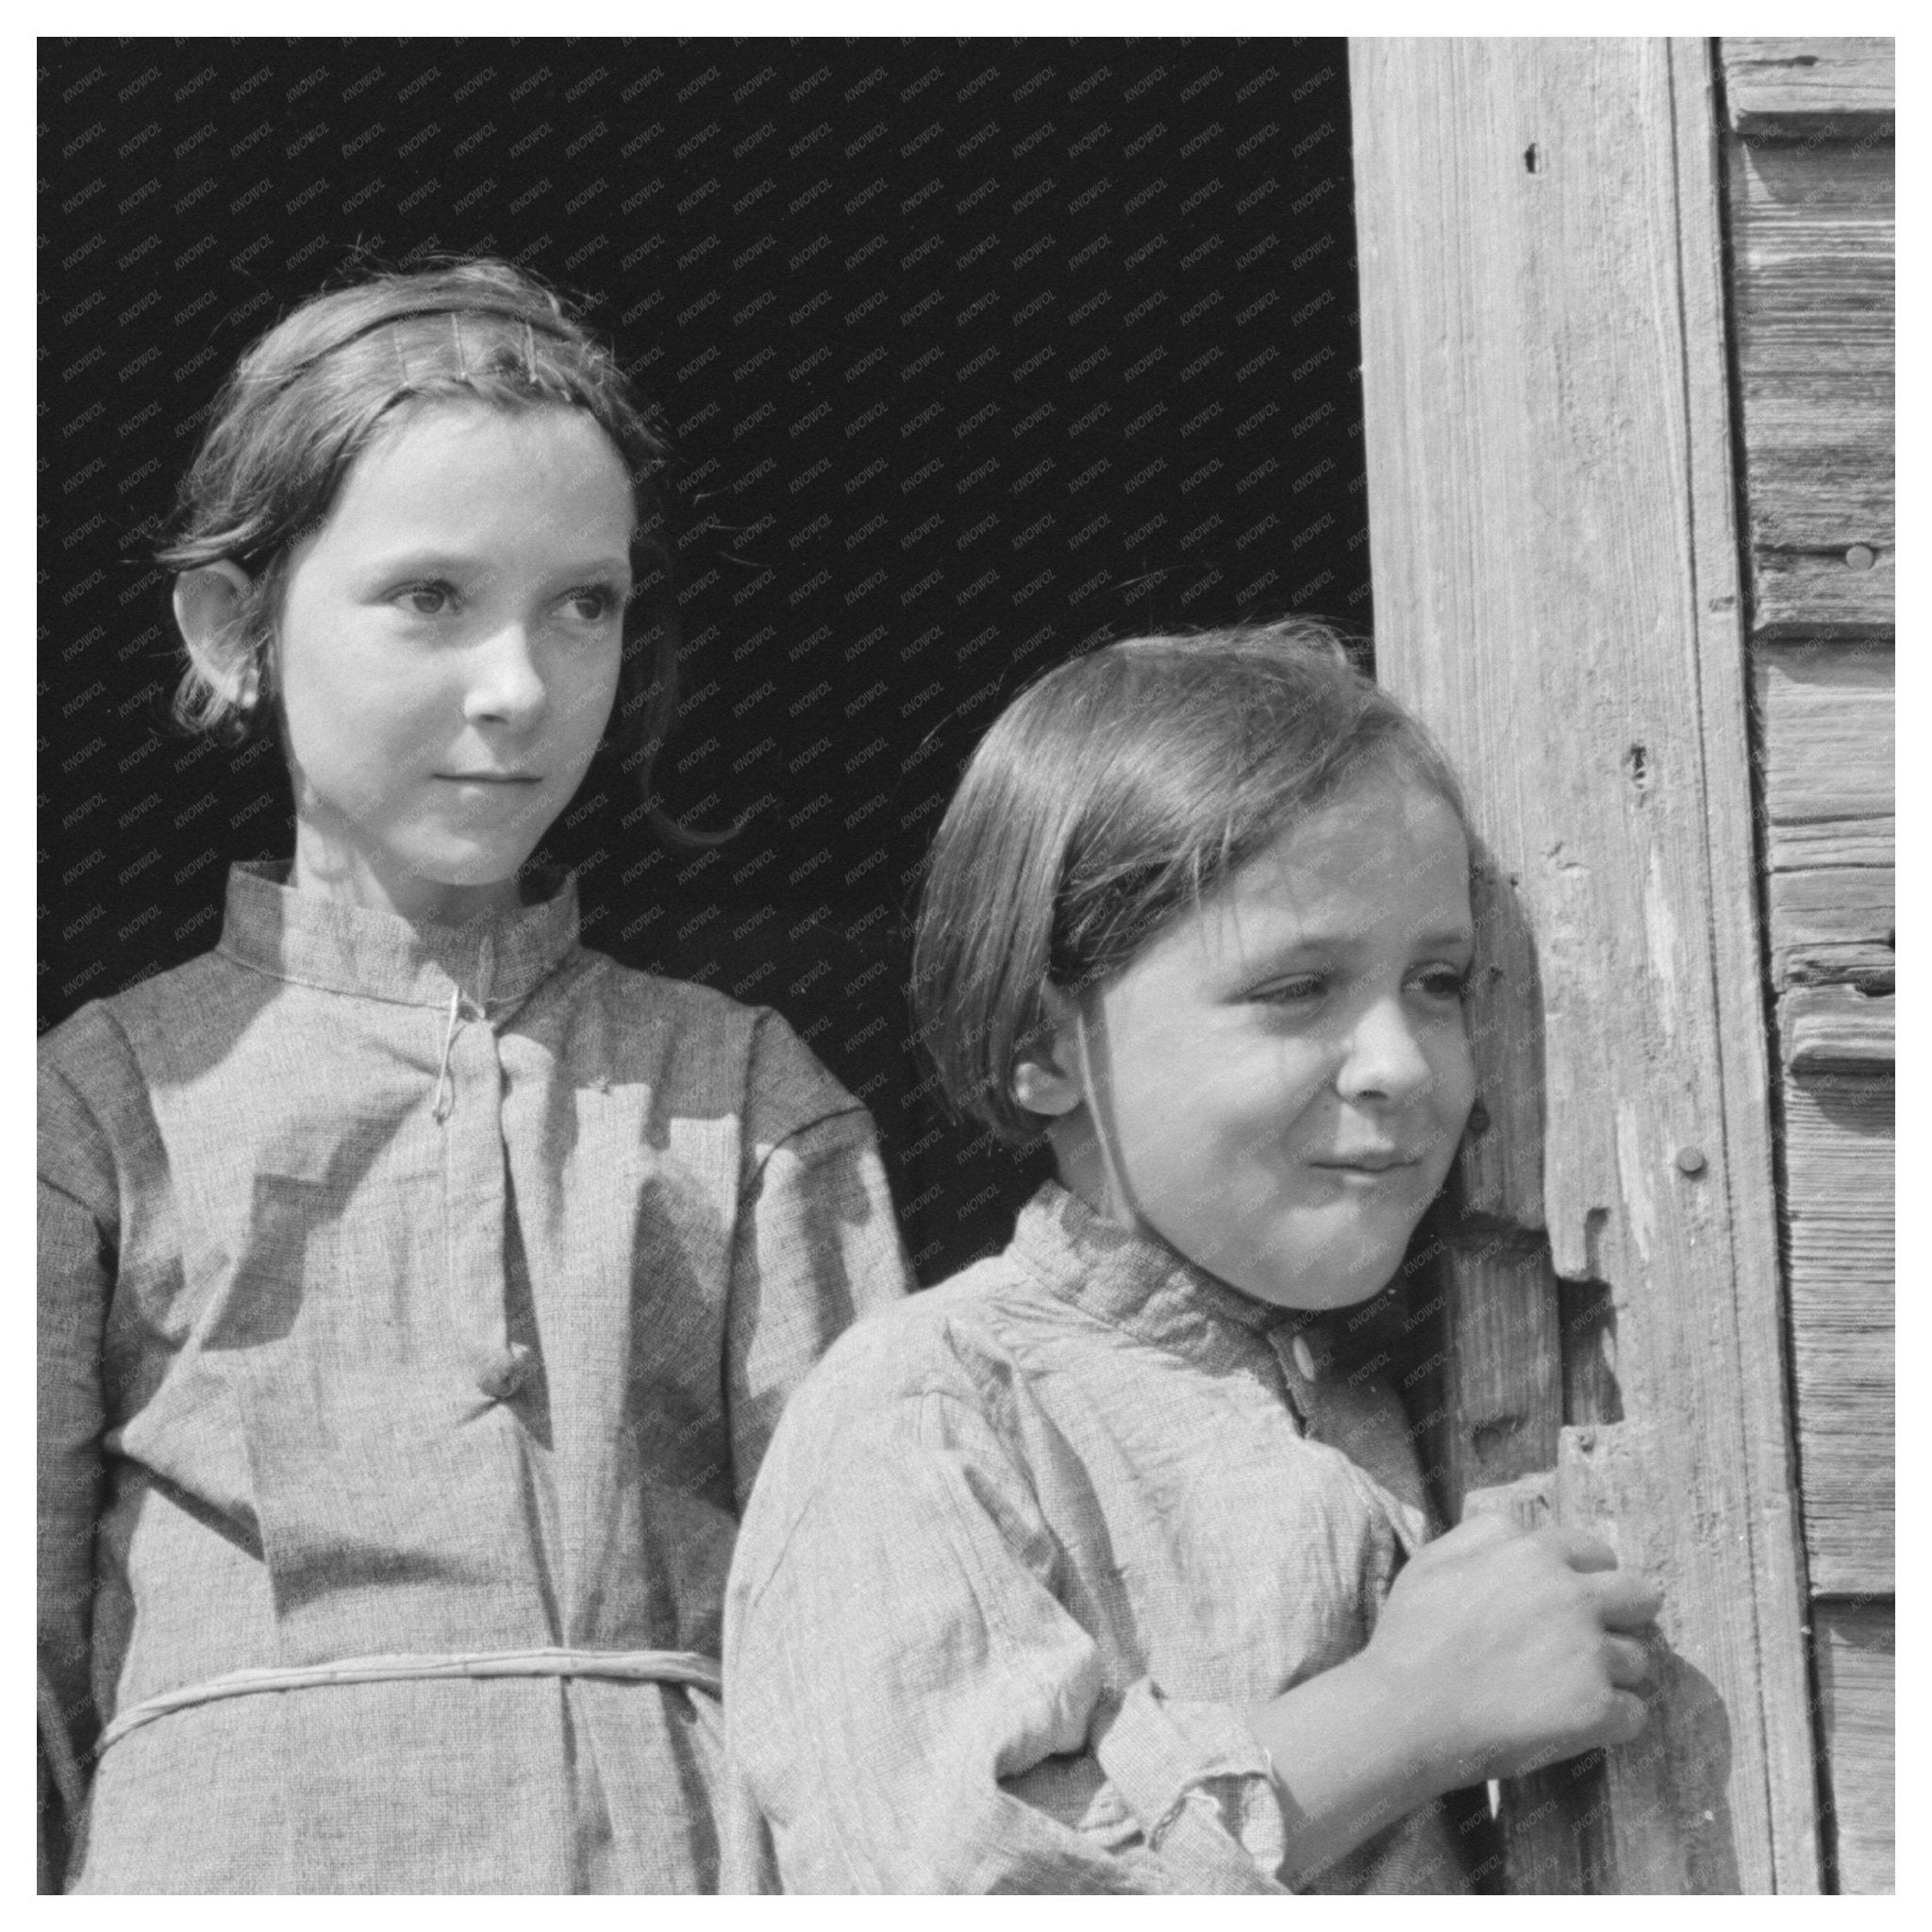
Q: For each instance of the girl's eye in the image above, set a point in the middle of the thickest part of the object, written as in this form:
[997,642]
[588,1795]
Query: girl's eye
[594,603]
[1446,983]
[428,600]
[1295,991]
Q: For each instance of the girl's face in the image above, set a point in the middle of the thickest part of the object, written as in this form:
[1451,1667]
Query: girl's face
[1276,1083]
[447,653]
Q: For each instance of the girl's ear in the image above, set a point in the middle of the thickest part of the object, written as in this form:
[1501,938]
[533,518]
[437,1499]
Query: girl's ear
[208,604]
[1045,1074]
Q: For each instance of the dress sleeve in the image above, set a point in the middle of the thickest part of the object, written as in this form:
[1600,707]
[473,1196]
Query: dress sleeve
[78,1231]
[816,1246]
[914,1710]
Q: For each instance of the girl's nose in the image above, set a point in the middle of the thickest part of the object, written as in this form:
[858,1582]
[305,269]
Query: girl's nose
[1384,1055]
[505,687]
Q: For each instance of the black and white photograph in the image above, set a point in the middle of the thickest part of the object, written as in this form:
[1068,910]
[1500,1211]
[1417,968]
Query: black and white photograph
[965,965]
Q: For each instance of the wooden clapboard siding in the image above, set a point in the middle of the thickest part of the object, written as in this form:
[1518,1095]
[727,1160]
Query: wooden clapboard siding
[1855,1712]
[1838,1206]
[1825,738]
[1869,841]
[1836,1029]
[1812,252]
[1825,719]
[1812,241]
[1557,582]
[1810,200]
[1832,923]
[1840,89]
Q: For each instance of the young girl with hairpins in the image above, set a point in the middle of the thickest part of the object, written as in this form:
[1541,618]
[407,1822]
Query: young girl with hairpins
[1107,1566]
[418,1290]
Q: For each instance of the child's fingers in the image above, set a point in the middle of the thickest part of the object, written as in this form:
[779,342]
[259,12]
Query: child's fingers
[1626,1661]
[1582,1552]
[1626,1601]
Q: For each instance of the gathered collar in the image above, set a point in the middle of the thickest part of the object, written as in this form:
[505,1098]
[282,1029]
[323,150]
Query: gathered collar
[1134,1283]
[311,940]
[1155,1293]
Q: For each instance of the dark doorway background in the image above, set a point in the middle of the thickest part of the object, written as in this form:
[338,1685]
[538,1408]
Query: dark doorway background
[975,354]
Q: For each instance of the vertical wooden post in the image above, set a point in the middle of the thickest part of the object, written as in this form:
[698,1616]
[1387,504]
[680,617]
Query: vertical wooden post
[1556,594]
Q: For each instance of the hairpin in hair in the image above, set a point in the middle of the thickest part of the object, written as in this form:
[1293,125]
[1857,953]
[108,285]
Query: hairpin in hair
[465,305]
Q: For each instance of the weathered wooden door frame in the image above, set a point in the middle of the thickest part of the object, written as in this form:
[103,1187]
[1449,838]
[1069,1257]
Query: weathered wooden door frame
[1556,591]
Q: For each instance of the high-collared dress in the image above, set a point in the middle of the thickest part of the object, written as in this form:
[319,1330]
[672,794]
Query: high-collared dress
[1023,1549]
[415,1307]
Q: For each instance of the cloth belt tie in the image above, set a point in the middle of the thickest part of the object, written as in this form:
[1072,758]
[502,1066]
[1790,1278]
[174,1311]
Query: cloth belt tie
[688,1667]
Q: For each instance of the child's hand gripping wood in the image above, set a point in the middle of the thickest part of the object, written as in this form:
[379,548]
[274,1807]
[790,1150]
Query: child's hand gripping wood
[1498,1649]
[1507,1649]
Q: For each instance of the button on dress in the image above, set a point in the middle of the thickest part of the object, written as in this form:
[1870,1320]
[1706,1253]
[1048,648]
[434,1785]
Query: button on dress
[417,1292]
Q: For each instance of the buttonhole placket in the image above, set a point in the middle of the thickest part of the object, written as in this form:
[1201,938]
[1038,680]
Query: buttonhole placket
[445,1087]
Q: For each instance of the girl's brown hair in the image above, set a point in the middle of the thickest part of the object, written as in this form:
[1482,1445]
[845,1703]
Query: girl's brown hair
[310,396]
[1112,796]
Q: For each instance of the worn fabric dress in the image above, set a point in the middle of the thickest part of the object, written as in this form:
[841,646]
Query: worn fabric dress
[1025,1547]
[416,1295]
